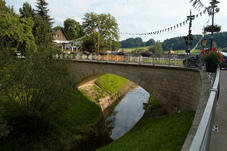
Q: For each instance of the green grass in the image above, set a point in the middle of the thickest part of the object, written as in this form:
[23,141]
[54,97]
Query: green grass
[110,82]
[196,51]
[153,104]
[163,134]
[83,111]
[100,92]
[133,49]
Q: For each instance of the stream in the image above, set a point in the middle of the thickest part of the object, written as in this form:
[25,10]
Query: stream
[127,112]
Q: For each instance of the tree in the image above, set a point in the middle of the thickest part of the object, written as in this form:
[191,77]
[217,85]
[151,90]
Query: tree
[42,30]
[178,43]
[132,42]
[105,25]
[90,22]
[92,42]
[35,97]
[57,28]
[42,10]
[157,48]
[16,32]
[150,42]
[72,29]
[27,11]
[3,6]
[43,34]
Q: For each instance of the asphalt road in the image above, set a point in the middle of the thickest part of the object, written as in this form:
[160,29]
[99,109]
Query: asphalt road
[219,133]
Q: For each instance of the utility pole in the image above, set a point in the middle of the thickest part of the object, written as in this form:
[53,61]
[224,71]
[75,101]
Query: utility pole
[213,11]
[188,38]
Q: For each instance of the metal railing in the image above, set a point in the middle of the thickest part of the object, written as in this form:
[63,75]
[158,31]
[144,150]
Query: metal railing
[163,59]
[201,140]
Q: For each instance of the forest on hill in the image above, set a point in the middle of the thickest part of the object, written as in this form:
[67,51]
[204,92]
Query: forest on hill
[176,43]
[136,42]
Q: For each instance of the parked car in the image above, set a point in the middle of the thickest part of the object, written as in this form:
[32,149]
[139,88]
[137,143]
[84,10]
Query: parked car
[224,63]
[17,54]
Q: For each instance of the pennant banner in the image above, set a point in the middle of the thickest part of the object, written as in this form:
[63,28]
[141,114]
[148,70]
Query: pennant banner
[195,2]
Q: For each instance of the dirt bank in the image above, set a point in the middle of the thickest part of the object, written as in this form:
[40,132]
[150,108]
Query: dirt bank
[104,99]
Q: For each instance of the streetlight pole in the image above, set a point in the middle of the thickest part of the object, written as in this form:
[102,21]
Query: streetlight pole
[213,6]
[189,38]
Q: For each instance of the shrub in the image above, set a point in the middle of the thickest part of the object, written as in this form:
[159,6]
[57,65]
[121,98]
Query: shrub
[213,57]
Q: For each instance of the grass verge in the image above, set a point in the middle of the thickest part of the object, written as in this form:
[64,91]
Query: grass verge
[162,134]
[110,82]
[153,104]
[137,48]
[84,111]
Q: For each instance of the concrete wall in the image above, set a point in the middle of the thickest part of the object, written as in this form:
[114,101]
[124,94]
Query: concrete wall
[175,87]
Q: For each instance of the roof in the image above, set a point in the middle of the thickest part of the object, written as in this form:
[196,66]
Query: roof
[62,31]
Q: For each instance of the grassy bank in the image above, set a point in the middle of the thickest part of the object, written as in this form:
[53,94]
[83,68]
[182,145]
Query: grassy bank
[129,50]
[81,126]
[153,104]
[84,111]
[110,82]
[162,134]
[134,49]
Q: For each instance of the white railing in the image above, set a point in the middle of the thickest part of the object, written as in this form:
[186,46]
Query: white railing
[201,141]
[170,60]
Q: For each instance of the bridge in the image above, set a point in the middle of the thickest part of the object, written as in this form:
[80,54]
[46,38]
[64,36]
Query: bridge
[177,89]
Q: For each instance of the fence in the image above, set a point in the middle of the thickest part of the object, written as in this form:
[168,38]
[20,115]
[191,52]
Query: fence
[201,141]
[171,60]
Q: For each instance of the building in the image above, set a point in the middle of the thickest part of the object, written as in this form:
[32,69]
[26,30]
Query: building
[61,40]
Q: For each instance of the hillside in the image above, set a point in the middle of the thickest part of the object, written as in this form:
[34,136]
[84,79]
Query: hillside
[136,42]
[176,43]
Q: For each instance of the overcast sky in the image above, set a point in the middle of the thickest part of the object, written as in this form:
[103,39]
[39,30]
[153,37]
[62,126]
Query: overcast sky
[134,16]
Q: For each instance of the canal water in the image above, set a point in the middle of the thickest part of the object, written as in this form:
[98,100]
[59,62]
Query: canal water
[127,113]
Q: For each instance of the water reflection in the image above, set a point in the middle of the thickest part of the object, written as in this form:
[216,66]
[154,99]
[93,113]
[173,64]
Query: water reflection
[127,112]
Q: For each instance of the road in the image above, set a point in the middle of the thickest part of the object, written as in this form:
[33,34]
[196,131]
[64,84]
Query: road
[219,133]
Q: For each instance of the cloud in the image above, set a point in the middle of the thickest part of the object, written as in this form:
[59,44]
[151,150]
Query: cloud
[134,16]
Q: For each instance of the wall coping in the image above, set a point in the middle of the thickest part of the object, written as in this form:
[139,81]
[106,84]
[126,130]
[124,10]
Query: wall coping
[204,95]
[140,64]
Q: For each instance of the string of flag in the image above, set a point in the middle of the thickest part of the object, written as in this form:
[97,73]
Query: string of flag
[174,27]
[198,5]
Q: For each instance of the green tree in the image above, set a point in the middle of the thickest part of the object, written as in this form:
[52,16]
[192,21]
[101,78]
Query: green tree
[4,131]
[105,25]
[42,29]
[72,29]
[43,34]
[35,96]
[3,6]
[150,42]
[27,11]
[57,28]
[42,10]
[93,42]
[16,32]
[90,22]
[157,48]
[132,42]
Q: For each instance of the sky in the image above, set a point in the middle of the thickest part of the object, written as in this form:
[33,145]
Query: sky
[134,16]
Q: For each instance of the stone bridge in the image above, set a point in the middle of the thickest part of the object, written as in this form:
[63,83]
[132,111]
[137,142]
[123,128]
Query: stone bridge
[176,88]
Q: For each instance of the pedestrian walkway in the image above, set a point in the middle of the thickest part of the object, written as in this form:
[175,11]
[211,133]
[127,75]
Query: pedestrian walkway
[219,133]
